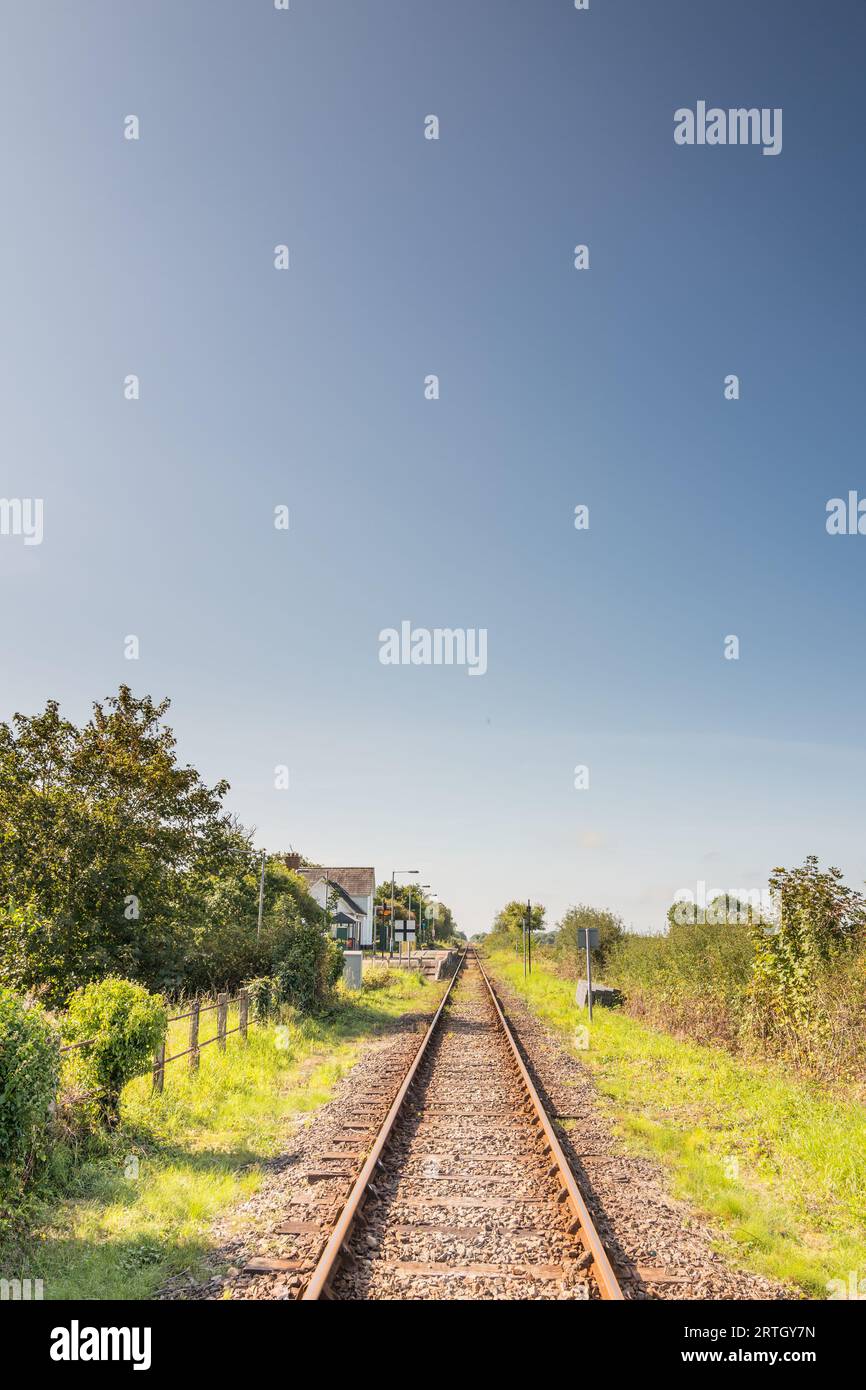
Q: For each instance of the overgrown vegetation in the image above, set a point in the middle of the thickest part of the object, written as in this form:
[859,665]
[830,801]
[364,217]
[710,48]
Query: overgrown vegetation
[819,922]
[119,1026]
[776,1161]
[569,954]
[512,921]
[29,1073]
[117,860]
[785,977]
[116,1212]
[123,883]
[693,979]
[307,970]
[787,983]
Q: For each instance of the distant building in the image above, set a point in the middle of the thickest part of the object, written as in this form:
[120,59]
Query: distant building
[355,889]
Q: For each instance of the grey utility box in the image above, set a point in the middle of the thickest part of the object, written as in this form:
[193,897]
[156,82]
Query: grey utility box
[601,994]
[352,964]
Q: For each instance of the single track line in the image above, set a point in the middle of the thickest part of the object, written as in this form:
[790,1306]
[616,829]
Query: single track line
[472,1054]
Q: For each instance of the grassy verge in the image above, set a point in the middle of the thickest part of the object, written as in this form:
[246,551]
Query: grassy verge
[776,1163]
[115,1221]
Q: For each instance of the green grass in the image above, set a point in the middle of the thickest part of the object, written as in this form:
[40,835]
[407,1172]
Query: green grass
[124,1217]
[778,1164]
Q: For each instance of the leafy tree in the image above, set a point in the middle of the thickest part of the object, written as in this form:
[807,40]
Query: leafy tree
[442,924]
[818,919]
[508,924]
[443,927]
[723,910]
[104,837]
[124,1024]
[405,898]
[223,946]
[608,925]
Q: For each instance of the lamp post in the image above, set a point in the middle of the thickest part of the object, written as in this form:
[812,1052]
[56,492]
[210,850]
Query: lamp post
[421,887]
[434,898]
[394,873]
[436,919]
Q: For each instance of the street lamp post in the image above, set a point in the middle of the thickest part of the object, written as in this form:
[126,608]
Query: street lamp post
[421,887]
[434,898]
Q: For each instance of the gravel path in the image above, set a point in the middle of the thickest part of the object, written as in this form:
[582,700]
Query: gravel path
[659,1247]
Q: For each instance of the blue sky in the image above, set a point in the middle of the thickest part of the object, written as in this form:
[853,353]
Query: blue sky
[558,387]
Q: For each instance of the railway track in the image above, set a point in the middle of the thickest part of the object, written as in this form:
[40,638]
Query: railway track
[465,1191]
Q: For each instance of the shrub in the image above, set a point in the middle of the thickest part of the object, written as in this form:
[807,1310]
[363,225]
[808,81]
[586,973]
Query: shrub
[692,979]
[380,977]
[819,919]
[263,997]
[571,956]
[126,1024]
[308,969]
[29,1075]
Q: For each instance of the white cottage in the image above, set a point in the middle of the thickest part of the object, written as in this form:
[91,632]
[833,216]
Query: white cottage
[355,889]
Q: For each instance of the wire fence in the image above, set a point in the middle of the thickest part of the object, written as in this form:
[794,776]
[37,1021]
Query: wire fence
[222,1005]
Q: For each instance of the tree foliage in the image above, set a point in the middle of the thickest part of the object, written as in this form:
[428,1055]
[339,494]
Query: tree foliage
[29,1074]
[309,968]
[103,837]
[608,925]
[508,924]
[123,1025]
[443,927]
[115,859]
[818,919]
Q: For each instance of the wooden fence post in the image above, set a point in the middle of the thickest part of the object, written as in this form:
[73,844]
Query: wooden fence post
[222,1017]
[194,1054]
[159,1068]
[243,1012]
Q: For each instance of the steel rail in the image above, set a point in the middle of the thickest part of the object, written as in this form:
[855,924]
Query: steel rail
[582,1225]
[608,1284]
[328,1261]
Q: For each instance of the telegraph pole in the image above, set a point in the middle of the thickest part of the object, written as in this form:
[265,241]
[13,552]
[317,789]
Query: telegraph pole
[261,897]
